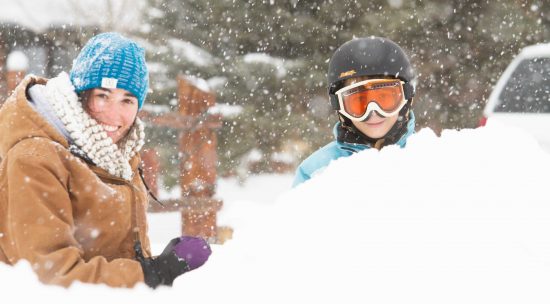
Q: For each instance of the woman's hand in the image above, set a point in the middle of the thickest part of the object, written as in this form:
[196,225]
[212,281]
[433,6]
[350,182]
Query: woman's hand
[181,255]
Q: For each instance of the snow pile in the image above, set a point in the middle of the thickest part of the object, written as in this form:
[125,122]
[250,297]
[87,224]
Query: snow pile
[194,54]
[226,110]
[277,63]
[217,83]
[461,218]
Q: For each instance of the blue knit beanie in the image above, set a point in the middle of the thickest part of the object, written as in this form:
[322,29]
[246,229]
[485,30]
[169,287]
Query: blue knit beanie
[110,61]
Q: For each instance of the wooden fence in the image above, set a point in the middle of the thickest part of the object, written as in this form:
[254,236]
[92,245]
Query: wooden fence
[198,162]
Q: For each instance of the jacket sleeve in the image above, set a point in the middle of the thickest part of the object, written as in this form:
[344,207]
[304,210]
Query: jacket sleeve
[41,223]
[299,177]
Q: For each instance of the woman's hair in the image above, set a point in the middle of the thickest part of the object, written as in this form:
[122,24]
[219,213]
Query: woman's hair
[83,97]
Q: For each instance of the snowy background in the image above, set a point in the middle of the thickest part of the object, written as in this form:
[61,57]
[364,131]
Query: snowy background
[39,15]
[271,57]
[461,218]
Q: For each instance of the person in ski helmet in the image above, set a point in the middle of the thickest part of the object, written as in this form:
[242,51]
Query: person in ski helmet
[72,199]
[371,88]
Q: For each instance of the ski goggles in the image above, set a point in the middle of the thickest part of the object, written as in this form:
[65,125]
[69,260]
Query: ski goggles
[359,100]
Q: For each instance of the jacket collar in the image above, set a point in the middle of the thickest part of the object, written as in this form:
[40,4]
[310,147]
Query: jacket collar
[19,121]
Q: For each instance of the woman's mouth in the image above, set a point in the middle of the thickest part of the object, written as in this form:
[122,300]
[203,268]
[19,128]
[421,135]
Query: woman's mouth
[375,123]
[109,128]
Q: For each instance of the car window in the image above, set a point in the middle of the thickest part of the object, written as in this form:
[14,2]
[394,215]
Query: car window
[528,88]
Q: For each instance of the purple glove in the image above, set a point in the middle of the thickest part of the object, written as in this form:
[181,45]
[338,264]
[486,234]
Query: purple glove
[194,250]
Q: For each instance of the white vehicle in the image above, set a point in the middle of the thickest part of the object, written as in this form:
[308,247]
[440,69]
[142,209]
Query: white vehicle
[521,97]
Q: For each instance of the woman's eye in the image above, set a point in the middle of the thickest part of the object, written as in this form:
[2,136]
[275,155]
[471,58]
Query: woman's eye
[129,101]
[101,96]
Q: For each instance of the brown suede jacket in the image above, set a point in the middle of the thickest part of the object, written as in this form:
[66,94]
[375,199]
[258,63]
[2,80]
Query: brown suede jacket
[70,220]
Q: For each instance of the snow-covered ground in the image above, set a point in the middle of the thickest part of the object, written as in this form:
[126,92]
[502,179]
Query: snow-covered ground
[461,218]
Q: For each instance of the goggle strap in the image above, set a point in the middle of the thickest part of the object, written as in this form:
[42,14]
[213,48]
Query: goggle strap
[334,102]
[408,90]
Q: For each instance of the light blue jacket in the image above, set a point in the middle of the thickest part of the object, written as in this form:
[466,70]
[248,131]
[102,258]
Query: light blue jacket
[336,149]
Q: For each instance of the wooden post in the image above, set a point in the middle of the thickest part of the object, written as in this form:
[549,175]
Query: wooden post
[3,89]
[198,171]
[198,163]
[198,144]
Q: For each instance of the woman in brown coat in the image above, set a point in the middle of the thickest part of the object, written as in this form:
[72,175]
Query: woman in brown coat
[72,202]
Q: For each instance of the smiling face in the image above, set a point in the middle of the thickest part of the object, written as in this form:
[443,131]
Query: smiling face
[375,126]
[114,109]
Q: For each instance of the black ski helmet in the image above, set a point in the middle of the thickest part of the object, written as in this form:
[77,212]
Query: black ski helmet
[371,56]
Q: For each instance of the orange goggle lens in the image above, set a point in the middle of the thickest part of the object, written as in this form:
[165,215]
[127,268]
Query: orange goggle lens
[387,94]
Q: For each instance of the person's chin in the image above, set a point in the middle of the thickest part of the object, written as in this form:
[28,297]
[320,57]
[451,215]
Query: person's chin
[375,134]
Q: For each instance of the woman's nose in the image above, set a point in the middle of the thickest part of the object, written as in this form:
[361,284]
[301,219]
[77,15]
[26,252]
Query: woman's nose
[97,105]
[110,107]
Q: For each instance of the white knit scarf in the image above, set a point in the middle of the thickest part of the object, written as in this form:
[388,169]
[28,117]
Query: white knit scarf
[88,135]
